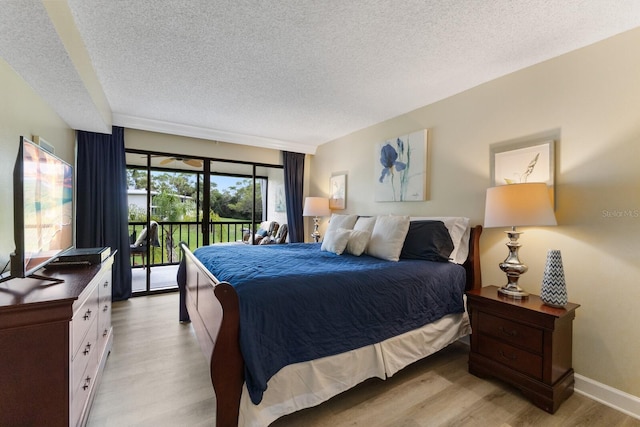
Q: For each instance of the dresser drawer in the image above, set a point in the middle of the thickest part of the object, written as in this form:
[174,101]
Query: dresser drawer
[510,332]
[88,349]
[104,288]
[104,317]
[83,383]
[82,319]
[104,321]
[520,360]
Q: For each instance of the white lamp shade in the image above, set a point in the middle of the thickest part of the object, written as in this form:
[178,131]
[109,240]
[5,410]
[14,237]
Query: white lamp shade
[518,205]
[316,206]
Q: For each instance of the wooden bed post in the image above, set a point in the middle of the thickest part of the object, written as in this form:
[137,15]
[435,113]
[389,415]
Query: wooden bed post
[227,364]
[214,311]
[472,264]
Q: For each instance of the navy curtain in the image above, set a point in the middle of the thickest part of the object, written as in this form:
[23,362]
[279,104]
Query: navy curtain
[101,212]
[294,191]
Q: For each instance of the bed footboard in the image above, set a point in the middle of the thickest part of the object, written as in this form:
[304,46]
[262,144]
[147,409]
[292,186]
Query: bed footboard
[215,315]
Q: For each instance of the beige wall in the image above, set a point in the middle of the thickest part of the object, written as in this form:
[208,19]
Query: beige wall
[152,141]
[592,98]
[22,112]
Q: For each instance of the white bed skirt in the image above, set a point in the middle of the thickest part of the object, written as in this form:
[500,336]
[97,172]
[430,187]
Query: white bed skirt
[307,384]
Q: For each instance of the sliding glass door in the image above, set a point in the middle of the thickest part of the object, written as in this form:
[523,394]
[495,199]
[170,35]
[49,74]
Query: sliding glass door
[198,201]
[164,195]
[235,201]
[241,197]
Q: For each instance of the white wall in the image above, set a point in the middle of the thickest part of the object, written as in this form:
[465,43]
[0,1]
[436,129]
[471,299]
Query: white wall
[22,112]
[591,97]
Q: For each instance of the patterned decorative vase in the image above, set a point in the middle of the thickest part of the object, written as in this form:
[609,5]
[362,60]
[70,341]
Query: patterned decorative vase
[554,288]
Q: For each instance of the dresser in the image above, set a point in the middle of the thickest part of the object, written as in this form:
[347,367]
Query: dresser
[523,342]
[54,341]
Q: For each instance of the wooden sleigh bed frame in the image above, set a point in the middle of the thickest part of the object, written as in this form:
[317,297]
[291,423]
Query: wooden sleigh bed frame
[214,312]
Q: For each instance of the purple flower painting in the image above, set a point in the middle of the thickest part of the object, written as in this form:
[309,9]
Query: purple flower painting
[401,168]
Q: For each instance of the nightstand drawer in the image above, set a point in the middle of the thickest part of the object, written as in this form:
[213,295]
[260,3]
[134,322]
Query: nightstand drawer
[528,363]
[511,332]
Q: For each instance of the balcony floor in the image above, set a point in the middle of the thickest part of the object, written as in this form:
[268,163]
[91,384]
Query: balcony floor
[162,277]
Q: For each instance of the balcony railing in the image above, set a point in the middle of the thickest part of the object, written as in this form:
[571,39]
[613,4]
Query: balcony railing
[171,233]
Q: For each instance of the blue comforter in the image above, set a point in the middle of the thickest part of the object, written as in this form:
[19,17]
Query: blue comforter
[298,303]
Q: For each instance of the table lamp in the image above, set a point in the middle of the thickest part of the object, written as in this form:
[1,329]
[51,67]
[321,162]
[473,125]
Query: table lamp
[516,205]
[316,207]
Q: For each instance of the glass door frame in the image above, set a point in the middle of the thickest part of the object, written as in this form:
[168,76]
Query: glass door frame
[203,207]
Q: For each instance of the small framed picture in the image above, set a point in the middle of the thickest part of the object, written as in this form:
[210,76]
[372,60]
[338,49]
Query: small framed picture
[338,195]
[521,162]
[281,203]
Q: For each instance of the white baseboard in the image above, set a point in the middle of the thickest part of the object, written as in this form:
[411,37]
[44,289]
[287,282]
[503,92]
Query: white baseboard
[609,396]
[614,398]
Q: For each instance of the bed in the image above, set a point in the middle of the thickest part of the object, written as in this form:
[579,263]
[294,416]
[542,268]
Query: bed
[286,327]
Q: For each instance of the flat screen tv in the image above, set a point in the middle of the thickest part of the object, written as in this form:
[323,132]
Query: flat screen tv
[42,209]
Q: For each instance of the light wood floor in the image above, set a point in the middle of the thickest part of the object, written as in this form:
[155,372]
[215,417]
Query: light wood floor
[156,376]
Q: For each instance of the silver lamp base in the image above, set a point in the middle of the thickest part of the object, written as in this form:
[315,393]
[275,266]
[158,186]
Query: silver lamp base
[514,292]
[316,234]
[513,268]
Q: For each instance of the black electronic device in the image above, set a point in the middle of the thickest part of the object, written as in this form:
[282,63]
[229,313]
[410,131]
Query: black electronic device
[81,256]
[42,209]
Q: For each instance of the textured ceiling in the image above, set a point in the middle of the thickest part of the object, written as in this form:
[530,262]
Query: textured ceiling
[289,74]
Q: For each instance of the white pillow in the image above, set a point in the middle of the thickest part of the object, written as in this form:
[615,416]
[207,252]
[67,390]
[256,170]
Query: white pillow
[459,231]
[358,240]
[341,221]
[337,221]
[335,241]
[388,237]
[365,223]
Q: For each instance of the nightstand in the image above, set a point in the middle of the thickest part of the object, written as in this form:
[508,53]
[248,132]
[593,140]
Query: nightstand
[522,342]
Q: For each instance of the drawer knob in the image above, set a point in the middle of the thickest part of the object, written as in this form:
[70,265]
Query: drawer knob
[510,333]
[106,284]
[105,333]
[87,349]
[106,307]
[87,315]
[511,357]
[87,382]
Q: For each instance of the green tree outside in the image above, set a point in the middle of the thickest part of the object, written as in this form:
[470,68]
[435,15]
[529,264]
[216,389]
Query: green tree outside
[175,201]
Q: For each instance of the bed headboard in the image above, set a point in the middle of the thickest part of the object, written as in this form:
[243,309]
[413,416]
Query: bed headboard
[472,265]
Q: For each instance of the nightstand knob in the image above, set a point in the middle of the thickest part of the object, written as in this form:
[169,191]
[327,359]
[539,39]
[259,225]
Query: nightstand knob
[511,333]
[508,356]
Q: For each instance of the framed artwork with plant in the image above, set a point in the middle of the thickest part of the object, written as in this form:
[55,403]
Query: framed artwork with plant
[338,196]
[400,168]
[522,162]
